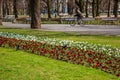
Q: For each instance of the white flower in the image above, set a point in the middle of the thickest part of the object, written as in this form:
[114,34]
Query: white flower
[82,45]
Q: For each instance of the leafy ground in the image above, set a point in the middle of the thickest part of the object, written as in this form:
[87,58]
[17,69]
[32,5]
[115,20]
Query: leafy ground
[19,65]
[96,39]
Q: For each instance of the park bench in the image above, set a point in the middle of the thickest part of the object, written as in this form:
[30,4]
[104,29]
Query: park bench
[109,20]
[9,18]
[25,20]
[88,19]
[71,19]
[28,20]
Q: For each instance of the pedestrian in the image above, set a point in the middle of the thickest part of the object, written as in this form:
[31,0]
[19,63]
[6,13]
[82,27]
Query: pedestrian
[55,13]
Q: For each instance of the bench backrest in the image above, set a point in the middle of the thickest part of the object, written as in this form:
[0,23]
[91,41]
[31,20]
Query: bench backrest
[88,19]
[74,18]
[28,19]
[109,19]
[70,19]
[9,17]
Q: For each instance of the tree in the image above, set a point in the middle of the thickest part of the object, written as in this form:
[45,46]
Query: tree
[15,8]
[115,11]
[80,5]
[98,2]
[93,8]
[4,8]
[58,6]
[109,6]
[8,6]
[1,1]
[86,8]
[28,7]
[35,14]
[71,6]
[48,7]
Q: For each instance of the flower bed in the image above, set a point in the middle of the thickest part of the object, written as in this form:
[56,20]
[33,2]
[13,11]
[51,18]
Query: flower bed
[73,52]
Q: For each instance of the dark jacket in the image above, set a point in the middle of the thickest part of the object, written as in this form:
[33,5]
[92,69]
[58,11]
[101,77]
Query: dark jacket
[78,14]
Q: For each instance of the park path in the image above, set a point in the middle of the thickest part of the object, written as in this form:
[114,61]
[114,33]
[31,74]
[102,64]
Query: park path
[86,29]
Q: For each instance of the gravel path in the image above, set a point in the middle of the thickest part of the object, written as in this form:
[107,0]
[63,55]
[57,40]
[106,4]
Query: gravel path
[86,29]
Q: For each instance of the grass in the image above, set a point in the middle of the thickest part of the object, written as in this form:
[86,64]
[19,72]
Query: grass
[49,22]
[114,41]
[101,22]
[19,65]
[43,22]
[93,22]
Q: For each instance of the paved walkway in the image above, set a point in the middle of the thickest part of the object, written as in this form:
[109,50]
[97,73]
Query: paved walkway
[86,29]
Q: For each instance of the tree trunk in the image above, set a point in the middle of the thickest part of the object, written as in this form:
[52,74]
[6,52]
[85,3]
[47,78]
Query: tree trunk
[70,10]
[58,7]
[93,8]
[115,11]
[23,9]
[35,14]
[98,8]
[4,8]
[81,5]
[15,8]
[108,14]
[48,7]
[86,9]
[28,7]
[8,7]
[1,1]
[71,6]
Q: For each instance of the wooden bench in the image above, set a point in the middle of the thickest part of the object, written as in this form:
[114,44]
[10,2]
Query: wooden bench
[69,20]
[9,18]
[88,19]
[72,19]
[109,20]
[28,20]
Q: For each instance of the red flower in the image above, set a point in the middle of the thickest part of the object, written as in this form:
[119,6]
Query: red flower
[118,74]
[114,69]
[79,54]
[109,62]
[118,60]
[98,64]
[105,67]
[90,52]
[89,60]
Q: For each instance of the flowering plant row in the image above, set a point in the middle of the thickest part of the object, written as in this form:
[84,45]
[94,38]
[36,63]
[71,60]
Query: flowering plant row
[106,49]
[90,58]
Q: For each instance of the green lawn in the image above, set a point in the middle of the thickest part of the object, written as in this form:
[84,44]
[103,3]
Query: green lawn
[96,39]
[19,65]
